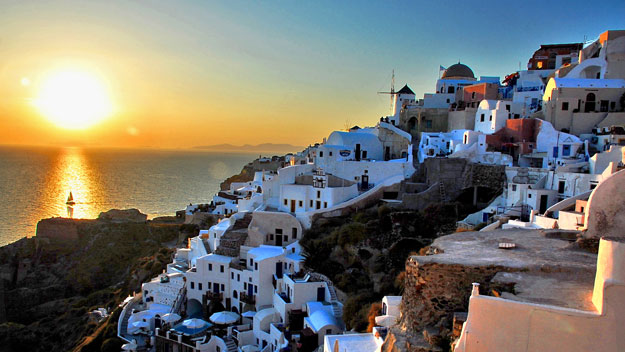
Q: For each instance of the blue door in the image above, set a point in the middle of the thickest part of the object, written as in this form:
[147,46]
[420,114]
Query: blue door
[555,152]
[250,290]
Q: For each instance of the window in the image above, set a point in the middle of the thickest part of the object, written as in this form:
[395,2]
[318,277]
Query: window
[311,203]
[321,154]
[473,95]
[318,194]
[428,123]
[210,267]
[301,203]
[565,106]
[364,154]
[285,201]
[490,117]
[325,204]
[231,275]
[450,90]
[221,268]
[513,188]
[561,186]
[255,289]
[507,107]
[566,149]
[482,118]
[245,285]
[210,285]
[238,277]
[255,266]
[330,153]
[294,232]
[251,261]
[447,100]
[192,285]
[199,286]
[529,195]
[223,287]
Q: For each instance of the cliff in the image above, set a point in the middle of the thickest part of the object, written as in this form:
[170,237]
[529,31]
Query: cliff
[438,286]
[49,283]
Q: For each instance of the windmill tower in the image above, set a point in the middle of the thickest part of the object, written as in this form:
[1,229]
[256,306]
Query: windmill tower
[399,99]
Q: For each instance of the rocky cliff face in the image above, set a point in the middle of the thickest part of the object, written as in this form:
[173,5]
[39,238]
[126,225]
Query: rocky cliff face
[49,283]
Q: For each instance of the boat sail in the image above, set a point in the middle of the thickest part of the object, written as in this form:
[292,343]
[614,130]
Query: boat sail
[70,199]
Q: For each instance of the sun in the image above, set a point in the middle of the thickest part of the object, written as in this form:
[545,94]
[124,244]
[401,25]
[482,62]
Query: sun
[73,99]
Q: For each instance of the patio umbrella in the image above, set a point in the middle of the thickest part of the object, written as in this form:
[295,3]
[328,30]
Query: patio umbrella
[129,346]
[248,314]
[170,317]
[194,323]
[224,318]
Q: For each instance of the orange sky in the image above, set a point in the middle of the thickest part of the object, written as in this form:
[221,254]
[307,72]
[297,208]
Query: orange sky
[182,74]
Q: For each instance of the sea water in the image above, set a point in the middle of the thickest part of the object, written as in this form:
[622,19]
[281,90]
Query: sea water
[36,181]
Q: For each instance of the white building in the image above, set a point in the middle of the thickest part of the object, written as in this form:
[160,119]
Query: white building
[491,115]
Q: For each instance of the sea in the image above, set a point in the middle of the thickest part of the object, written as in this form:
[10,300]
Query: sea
[35,182]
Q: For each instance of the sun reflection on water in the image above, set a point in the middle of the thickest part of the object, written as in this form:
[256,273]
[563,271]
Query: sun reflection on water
[72,174]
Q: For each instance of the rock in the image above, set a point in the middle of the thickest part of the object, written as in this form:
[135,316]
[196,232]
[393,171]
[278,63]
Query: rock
[123,215]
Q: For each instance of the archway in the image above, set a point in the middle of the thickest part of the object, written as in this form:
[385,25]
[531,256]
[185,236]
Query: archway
[194,308]
[412,123]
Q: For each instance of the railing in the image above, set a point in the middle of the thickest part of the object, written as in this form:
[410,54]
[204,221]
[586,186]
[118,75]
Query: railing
[245,298]
[215,295]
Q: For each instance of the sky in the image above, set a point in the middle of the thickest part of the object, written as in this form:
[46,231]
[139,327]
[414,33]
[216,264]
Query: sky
[180,74]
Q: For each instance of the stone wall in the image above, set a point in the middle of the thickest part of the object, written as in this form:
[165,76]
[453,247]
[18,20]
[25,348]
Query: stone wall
[58,229]
[434,291]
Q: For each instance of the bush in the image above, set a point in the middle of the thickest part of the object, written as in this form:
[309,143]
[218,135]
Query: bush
[374,311]
[364,254]
[111,345]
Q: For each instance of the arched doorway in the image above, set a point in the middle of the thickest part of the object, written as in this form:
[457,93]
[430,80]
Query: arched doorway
[590,103]
[194,308]
[412,123]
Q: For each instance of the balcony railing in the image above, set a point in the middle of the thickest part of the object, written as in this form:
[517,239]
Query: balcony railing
[214,295]
[245,298]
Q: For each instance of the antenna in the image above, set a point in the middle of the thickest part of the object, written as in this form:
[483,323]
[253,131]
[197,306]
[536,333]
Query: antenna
[392,92]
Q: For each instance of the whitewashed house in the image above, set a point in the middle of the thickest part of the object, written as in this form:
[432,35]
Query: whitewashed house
[491,115]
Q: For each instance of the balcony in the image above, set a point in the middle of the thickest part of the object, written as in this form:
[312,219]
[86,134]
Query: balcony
[215,295]
[245,298]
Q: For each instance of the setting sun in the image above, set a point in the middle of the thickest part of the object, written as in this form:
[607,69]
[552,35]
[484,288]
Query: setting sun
[73,99]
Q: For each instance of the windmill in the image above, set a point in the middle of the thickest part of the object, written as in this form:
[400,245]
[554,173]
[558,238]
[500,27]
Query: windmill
[392,92]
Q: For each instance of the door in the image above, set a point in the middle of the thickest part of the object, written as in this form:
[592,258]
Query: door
[216,287]
[250,290]
[365,181]
[321,294]
[278,240]
[292,205]
[543,204]
[279,270]
[318,205]
[590,103]
[387,153]
[357,152]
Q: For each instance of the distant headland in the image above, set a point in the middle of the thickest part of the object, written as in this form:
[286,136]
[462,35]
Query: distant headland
[264,147]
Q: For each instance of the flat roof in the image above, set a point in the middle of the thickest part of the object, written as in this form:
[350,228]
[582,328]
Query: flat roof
[263,252]
[353,342]
[216,258]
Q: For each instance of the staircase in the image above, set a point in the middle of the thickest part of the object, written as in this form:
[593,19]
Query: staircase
[182,295]
[243,223]
[230,243]
[231,346]
[441,191]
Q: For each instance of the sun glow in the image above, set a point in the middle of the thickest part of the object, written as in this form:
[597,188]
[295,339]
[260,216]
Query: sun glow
[74,99]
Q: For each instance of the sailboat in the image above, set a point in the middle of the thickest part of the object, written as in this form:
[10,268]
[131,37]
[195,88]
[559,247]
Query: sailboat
[70,199]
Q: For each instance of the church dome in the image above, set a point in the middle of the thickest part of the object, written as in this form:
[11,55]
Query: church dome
[458,71]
